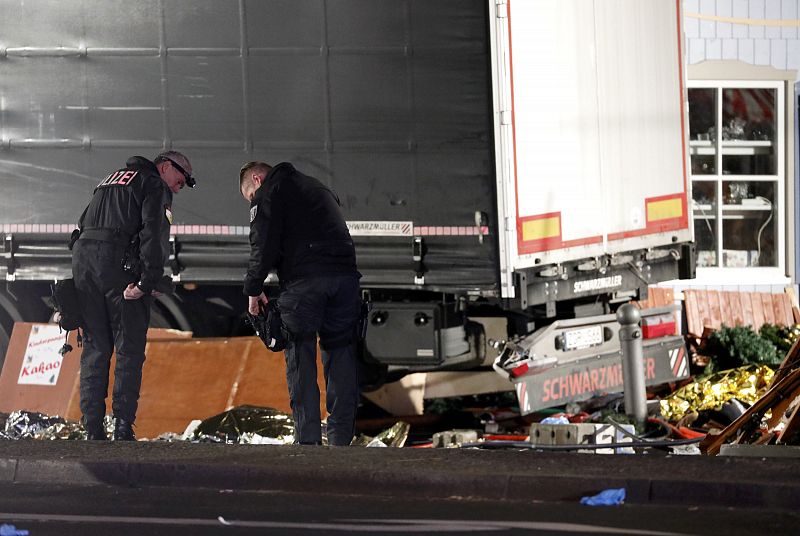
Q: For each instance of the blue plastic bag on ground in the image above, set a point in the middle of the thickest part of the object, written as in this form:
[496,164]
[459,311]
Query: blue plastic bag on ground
[608,497]
[555,420]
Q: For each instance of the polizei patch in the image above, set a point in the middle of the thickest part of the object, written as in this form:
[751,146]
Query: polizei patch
[253,212]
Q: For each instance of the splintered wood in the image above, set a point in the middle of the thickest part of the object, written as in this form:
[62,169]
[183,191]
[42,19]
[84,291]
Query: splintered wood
[713,308]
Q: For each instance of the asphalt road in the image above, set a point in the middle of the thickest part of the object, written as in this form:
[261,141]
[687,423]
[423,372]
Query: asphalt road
[493,475]
[50,509]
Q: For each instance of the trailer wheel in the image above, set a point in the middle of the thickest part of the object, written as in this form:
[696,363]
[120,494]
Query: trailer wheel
[5,337]
[371,373]
[9,313]
[166,312]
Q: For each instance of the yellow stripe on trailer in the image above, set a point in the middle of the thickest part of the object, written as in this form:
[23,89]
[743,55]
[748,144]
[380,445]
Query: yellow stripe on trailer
[664,209]
[541,228]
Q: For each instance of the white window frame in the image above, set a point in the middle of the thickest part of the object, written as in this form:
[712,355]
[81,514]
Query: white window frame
[719,275]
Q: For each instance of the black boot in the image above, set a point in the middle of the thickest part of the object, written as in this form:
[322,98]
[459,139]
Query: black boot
[95,430]
[123,430]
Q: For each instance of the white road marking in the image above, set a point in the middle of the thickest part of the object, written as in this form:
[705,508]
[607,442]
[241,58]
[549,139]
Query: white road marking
[350,525]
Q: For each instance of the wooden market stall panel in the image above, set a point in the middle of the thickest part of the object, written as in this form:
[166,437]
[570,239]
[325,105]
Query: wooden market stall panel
[183,378]
[713,308]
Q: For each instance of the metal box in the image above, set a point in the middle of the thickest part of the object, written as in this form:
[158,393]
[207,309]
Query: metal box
[405,333]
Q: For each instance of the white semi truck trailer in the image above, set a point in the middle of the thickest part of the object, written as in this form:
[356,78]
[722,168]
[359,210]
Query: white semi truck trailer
[518,159]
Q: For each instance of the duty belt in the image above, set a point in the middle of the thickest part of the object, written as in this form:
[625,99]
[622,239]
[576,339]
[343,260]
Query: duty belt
[104,234]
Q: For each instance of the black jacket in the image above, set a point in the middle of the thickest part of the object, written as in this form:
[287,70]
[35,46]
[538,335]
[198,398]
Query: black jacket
[296,226]
[135,200]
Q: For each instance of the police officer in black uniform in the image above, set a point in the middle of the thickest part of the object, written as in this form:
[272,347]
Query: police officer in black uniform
[296,227]
[117,263]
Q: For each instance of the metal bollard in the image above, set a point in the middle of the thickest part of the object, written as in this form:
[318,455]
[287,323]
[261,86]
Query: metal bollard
[630,339]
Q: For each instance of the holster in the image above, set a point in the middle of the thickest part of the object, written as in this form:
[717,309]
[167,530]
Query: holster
[130,257]
[363,320]
[73,237]
[65,302]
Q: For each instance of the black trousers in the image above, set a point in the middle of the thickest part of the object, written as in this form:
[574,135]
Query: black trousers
[110,322]
[329,306]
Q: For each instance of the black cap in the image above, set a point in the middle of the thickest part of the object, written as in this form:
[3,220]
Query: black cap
[167,156]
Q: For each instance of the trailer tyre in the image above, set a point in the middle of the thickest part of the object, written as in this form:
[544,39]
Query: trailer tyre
[11,312]
[371,373]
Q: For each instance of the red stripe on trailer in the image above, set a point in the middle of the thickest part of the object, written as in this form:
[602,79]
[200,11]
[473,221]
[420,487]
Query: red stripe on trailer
[653,226]
[676,369]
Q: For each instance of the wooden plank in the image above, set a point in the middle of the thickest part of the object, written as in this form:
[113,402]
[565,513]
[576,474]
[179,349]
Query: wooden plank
[769,312]
[747,309]
[789,362]
[698,313]
[705,310]
[737,315]
[788,314]
[702,307]
[724,308]
[777,309]
[662,297]
[652,297]
[789,290]
[758,310]
[693,324]
[780,410]
[779,304]
[714,309]
[669,296]
[782,303]
[792,426]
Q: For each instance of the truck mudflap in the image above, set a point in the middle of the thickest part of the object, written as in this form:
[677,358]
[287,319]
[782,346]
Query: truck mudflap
[575,360]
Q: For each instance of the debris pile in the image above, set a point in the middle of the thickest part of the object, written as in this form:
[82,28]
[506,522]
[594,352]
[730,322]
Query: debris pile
[744,388]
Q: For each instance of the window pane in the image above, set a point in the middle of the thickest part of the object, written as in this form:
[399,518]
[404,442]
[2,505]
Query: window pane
[749,225]
[748,131]
[704,207]
[702,130]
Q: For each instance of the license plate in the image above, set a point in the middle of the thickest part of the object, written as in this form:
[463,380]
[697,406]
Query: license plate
[583,338]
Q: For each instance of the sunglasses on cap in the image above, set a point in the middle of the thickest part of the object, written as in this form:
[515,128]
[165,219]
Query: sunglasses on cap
[190,181]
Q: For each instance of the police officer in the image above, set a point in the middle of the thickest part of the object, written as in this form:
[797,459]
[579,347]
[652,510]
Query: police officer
[296,227]
[117,263]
